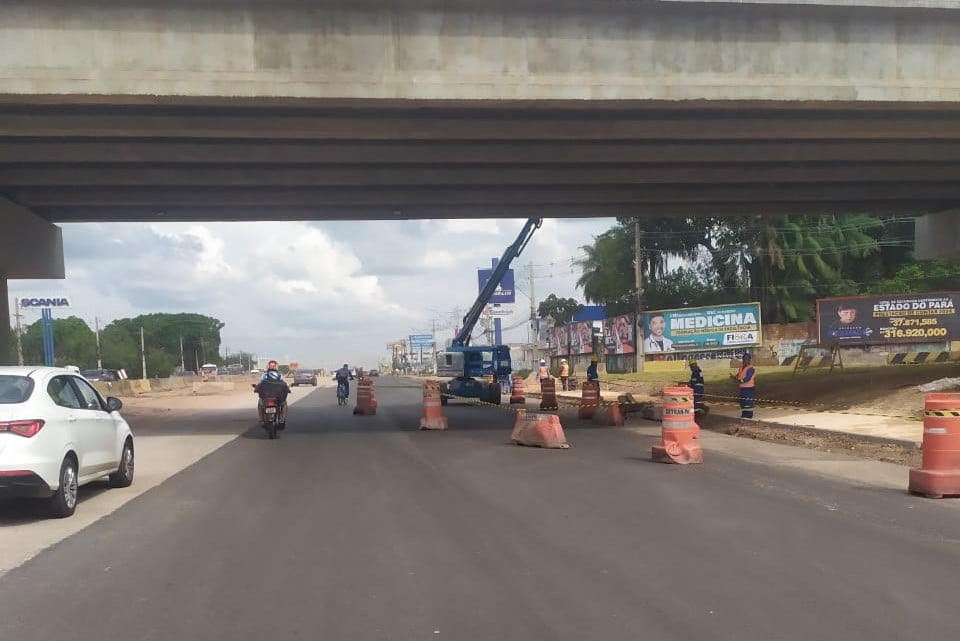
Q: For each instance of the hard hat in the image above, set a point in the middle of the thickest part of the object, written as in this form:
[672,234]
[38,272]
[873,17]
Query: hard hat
[563,360]
[595,359]
[692,361]
[543,362]
[746,356]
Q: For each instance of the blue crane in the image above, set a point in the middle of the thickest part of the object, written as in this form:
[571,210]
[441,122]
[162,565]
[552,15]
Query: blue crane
[465,362]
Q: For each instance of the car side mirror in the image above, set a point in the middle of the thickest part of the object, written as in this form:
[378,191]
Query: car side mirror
[114,404]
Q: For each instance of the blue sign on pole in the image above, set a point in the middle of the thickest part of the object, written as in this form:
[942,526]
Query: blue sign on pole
[505,292]
[47,333]
[421,340]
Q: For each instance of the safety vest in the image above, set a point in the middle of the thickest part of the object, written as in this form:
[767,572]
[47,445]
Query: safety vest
[565,370]
[743,371]
[544,372]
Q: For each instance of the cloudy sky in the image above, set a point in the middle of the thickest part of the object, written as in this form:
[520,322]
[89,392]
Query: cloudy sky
[322,293]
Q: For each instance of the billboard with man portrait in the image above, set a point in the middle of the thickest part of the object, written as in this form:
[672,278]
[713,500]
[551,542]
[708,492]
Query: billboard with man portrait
[896,318]
[618,335]
[581,337]
[698,329]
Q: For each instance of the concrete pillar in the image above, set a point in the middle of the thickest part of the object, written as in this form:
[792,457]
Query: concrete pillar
[938,235]
[8,354]
[30,247]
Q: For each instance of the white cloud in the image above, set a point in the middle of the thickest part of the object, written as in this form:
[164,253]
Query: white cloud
[323,292]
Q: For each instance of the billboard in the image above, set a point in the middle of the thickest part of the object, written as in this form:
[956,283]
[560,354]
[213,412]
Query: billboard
[618,335]
[421,340]
[696,329]
[581,337]
[559,344]
[504,293]
[894,318]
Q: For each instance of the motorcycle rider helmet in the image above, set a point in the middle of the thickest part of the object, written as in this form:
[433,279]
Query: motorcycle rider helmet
[274,375]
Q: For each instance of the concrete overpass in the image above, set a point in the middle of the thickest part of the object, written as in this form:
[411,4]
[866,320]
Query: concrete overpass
[254,109]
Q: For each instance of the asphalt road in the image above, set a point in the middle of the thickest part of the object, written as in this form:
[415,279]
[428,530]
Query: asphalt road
[354,528]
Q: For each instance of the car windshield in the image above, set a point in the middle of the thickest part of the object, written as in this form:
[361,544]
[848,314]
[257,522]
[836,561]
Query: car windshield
[15,389]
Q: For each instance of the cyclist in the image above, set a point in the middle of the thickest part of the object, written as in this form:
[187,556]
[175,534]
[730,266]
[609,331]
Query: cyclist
[344,376]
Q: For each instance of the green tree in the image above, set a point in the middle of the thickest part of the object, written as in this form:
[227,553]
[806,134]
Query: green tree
[925,276]
[560,310]
[74,343]
[120,342]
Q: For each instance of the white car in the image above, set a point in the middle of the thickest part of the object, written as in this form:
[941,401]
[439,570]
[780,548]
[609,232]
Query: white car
[56,434]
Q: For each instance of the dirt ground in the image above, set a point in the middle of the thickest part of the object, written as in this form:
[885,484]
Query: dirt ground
[814,440]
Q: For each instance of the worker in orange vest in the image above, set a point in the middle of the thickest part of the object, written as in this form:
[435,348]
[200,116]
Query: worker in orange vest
[564,373]
[544,372]
[747,380]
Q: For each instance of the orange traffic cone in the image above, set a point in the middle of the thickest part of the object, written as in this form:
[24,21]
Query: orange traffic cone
[589,399]
[539,430]
[433,418]
[939,471]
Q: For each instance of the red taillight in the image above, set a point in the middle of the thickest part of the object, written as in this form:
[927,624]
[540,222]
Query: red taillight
[270,402]
[22,428]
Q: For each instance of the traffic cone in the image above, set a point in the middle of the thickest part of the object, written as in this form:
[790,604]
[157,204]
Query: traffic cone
[548,394]
[939,471]
[539,430]
[433,418]
[517,392]
[589,399]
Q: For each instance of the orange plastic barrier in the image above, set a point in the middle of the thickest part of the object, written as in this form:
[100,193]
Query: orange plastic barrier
[677,429]
[939,471]
[539,430]
[518,393]
[366,399]
[548,394]
[610,415]
[589,399]
[433,418]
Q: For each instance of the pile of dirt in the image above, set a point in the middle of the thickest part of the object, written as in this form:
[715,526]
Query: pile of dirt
[814,440]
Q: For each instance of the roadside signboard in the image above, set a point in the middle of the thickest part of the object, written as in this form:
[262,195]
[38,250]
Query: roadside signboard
[697,329]
[618,335]
[505,292]
[891,319]
[421,340]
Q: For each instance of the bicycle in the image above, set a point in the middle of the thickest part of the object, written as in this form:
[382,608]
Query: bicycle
[341,393]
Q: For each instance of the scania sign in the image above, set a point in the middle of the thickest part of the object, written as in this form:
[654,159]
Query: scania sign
[45,302]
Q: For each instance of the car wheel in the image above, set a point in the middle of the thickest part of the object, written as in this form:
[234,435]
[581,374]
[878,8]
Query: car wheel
[123,477]
[63,503]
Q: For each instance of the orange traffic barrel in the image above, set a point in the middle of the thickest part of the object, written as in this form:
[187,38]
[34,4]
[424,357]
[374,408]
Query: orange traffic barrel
[589,399]
[548,394]
[518,393]
[433,418]
[939,471]
[677,429]
[366,402]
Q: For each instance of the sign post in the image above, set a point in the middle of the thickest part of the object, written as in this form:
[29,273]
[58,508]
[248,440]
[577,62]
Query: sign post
[45,305]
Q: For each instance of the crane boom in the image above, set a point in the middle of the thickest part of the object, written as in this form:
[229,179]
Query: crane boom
[511,252]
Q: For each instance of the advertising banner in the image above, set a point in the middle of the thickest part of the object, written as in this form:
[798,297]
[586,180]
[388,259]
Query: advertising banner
[581,337]
[696,329]
[618,335]
[559,345]
[504,293]
[895,318]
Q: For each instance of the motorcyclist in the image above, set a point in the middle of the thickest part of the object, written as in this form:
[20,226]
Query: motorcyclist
[344,376]
[273,376]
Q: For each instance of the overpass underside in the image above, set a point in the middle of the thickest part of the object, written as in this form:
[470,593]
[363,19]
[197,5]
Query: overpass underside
[90,158]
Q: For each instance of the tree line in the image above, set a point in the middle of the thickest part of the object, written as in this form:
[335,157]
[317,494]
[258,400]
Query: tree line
[783,262]
[75,343]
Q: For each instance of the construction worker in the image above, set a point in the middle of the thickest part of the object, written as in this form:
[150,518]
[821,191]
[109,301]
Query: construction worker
[592,375]
[698,385]
[543,374]
[564,373]
[747,380]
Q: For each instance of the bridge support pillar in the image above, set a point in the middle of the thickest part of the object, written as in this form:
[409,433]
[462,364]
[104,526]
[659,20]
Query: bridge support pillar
[30,247]
[938,235]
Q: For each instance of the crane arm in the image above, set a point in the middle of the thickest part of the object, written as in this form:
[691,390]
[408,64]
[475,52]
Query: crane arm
[514,250]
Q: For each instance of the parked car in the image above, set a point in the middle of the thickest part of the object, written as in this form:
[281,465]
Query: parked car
[373,372]
[305,377]
[96,375]
[56,434]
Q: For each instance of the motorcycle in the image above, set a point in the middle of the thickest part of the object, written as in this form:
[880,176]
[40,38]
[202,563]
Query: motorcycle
[272,405]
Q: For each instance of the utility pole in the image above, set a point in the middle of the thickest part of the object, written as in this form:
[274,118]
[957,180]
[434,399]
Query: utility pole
[533,334]
[143,356]
[638,256]
[17,314]
[203,352]
[96,325]
[182,365]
